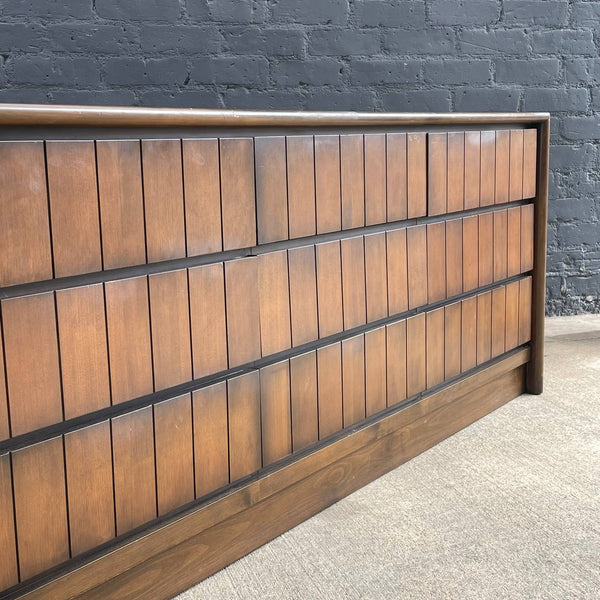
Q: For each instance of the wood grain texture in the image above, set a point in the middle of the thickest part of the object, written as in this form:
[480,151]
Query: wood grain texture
[243,320]
[271,188]
[397,177]
[32,368]
[303,385]
[435,347]
[456,171]
[128,327]
[525,293]
[173,441]
[207,319]
[527,215]
[470,242]
[119,166]
[202,190]
[89,487]
[416,144]
[40,506]
[500,245]
[83,349]
[9,574]
[472,168]
[454,257]
[170,317]
[275,412]
[415,355]
[353,282]
[376,276]
[436,261]
[243,406]
[352,180]
[329,288]
[163,199]
[416,241]
[134,469]
[512,315]
[237,192]
[71,169]
[515,191]
[498,321]
[488,168]
[513,235]
[375,371]
[301,186]
[396,362]
[327,183]
[329,388]
[25,253]
[211,443]
[486,249]
[303,294]
[274,302]
[529,162]
[4,421]
[468,352]
[438,173]
[375,179]
[484,327]
[397,271]
[353,380]
[502,166]
[452,340]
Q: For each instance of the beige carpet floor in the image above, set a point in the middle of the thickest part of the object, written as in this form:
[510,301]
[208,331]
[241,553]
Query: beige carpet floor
[507,508]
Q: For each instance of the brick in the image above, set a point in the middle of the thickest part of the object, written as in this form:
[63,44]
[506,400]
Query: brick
[182,39]
[244,98]
[38,70]
[234,11]
[417,101]
[434,41]
[457,71]
[371,13]
[581,128]
[31,94]
[316,71]
[582,70]
[378,72]
[336,42]
[586,14]
[494,41]
[595,103]
[486,99]
[563,41]
[463,12]
[181,98]
[91,39]
[532,71]
[311,12]
[572,156]
[231,70]
[120,97]
[138,10]
[347,99]
[571,209]
[77,9]
[555,99]
[266,42]
[539,12]
[19,37]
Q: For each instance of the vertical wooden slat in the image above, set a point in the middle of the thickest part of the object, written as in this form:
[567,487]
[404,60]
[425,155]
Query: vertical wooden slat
[486,249]
[301,185]
[237,193]
[327,183]
[417,174]
[375,371]
[488,168]
[452,339]
[456,171]
[329,286]
[512,315]
[529,162]
[524,310]
[303,294]
[73,207]
[396,362]
[211,439]
[435,347]
[8,550]
[202,190]
[470,242]
[472,168]
[163,199]
[502,166]
[353,181]
[415,355]
[243,321]
[134,471]
[207,319]
[40,506]
[397,271]
[436,261]
[468,353]
[303,384]
[174,453]
[121,203]
[375,179]
[271,188]
[376,276]
[90,487]
[353,380]
[416,240]
[128,323]
[329,380]
[25,241]
[397,185]
[454,257]
[484,327]
[171,343]
[243,399]
[438,174]
[353,282]
[83,351]
[526,238]
[516,165]
[4,424]
[275,410]
[274,302]
[31,354]
[498,321]
[514,240]
[500,245]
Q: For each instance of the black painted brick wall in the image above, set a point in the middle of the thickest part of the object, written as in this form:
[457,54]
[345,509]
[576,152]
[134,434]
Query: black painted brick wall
[374,55]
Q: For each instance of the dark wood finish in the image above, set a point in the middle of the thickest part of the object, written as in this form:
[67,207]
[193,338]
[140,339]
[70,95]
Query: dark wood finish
[470,243]
[303,294]
[415,355]
[397,177]
[472,168]
[488,168]
[530,158]
[9,573]
[456,171]
[452,340]
[353,282]
[498,321]
[512,315]
[527,237]
[375,371]
[525,319]
[353,380]
[436,262]
[4,421]
[303,384]
[516,165]
[469,333]
[454,257]
[301,185]
[514,240]
[416,149]
[486,249]
[375,179]
[376,276]
[397,271]
[500,245]
[438,173]
[416,241]
[329,387]
[435,347]
[327,183]
[353,181]
[484,327]
[396,362]
[329,287]
[502,166]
